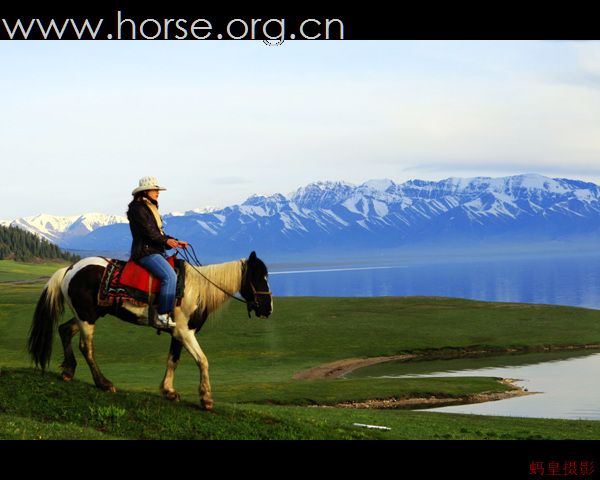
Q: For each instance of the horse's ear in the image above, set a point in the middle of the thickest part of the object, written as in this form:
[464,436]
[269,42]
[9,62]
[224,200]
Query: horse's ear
[252,255]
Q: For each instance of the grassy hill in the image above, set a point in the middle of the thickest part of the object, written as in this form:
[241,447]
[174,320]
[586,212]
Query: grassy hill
[252,363]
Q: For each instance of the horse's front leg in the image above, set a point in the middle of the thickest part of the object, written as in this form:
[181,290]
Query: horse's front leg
[166,387]
[188,339]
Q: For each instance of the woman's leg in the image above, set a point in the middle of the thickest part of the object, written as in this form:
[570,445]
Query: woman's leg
[160,268]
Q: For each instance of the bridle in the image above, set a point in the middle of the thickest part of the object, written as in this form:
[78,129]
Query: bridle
[254,304]
[191,258]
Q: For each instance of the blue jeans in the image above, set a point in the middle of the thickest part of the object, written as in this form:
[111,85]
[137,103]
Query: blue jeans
[160,268]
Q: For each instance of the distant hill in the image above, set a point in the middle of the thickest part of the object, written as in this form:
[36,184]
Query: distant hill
[20,245]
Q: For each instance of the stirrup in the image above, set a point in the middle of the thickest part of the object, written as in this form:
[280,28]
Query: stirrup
[164,320]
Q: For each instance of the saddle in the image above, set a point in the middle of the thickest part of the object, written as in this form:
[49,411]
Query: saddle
[130,282]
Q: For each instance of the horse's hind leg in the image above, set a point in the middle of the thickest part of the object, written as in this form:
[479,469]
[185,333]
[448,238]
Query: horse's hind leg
[86,345]
[67,330]
[166,387]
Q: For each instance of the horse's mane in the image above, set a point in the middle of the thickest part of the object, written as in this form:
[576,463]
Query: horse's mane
[226,275]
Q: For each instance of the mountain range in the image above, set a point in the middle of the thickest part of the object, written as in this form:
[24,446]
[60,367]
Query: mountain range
[61,230]
[329,216]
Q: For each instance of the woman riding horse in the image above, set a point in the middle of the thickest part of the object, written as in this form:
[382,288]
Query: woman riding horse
[149,244]
[207,288]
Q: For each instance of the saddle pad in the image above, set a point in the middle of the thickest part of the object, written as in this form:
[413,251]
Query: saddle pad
[112,290]
[136,276]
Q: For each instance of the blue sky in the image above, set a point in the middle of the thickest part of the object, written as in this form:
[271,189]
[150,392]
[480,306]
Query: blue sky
[219,121]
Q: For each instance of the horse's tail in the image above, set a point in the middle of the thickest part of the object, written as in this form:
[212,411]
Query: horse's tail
[48,310]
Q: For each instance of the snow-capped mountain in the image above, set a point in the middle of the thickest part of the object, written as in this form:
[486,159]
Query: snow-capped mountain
[61,230]
[193,210]
[329,216]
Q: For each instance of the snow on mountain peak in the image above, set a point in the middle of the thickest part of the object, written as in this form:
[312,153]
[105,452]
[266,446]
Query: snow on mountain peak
[263,200]
[54,227]
[322,194]
[323,186]
[328,184]
[92,221]
[380,185]
[533,181]
[44,225]
[208,209]
[460,184]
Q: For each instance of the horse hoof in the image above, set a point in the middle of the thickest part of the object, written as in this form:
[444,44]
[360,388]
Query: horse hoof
[67,373]
[108,388]
[207,405]
[172,396]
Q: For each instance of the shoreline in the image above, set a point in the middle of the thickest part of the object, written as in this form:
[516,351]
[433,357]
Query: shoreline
[339,368]
[433,401]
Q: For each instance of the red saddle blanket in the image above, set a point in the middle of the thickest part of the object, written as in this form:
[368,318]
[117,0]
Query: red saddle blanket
[136,276]
[129,281]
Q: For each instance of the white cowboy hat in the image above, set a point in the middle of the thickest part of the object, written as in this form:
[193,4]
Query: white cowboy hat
[147,183]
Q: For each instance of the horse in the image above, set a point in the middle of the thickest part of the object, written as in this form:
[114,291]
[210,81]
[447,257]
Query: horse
[207,288]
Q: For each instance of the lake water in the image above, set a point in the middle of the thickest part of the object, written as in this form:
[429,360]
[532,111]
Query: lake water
[567,389]
[569,385]
[562,280]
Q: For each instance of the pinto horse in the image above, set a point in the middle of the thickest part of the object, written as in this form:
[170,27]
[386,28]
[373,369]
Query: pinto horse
[206,289]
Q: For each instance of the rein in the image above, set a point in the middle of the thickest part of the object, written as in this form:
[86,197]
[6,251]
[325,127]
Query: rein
[191,258]
[188,258]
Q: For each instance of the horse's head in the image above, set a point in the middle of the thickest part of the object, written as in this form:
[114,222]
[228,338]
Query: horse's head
[255,287]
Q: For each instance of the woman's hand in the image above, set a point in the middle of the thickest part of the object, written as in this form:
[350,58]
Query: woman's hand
[173,243]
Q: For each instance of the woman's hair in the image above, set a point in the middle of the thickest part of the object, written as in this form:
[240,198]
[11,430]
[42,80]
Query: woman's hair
[138,198]
[143,194]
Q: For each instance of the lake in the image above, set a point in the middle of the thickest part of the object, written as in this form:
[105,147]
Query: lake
[551,279]
[567,389]
[564,382]
[566,379]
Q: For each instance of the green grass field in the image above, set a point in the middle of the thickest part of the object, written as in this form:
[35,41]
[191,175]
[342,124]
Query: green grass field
[252,363]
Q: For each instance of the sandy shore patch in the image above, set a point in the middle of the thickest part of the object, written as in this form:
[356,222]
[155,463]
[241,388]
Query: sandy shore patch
[340,368]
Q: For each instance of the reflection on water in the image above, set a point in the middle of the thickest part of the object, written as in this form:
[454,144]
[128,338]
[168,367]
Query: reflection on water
[570,387]
[567,280]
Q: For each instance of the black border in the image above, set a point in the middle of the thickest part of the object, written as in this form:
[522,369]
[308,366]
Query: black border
[504,459]
[368,21]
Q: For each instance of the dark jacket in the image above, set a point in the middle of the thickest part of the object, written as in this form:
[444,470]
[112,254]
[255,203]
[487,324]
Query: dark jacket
[147,238]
